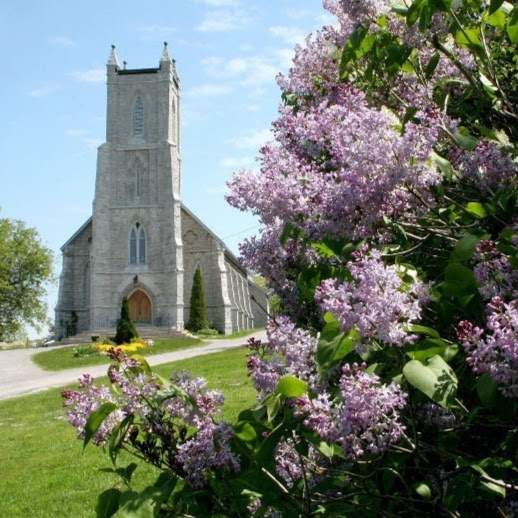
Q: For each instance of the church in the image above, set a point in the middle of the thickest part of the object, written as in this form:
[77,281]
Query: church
[142,242]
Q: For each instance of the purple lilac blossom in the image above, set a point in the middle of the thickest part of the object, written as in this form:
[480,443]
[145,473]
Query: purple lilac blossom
[164,420]
[376,302]
[494,350]
[493,272]
[488,166]
[291,351]
[365,418]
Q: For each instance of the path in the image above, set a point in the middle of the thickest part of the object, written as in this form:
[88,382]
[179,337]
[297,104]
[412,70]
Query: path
[20,376]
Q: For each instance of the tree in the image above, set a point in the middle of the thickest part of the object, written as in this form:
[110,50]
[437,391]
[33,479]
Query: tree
[25,269]
[125,329]
[198,312]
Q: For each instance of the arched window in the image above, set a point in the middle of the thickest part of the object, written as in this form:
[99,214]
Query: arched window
[137,244]
[138,118]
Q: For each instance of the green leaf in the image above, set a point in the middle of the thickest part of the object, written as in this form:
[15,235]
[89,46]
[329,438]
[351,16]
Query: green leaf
[497,19]
[423,490]
[245,431]
[334,344]
[494,488]
[459,281]
[465,247]
[469,37]
[423,330]
[512,25]
[290,386]
[436,379]
[443,165]
[476,208]
[96,420]
[118,435]
[465,140]
[107,503]
[432,65]
[273,405]
[426,349]
[148,502]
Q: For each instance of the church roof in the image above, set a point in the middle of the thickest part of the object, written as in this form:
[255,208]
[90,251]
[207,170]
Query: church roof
[228,254]
[81,229]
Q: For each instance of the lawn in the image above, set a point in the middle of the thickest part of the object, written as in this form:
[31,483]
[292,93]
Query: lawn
[43,470]
[63,358]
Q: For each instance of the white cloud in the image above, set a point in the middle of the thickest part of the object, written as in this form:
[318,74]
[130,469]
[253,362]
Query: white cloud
[63,41]
[94,75]
[209,90]
[251,141]
[250,70]
[45,90]
[224,21]
[290,35]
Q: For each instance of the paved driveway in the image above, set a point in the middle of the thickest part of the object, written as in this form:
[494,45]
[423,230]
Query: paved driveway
[20,376]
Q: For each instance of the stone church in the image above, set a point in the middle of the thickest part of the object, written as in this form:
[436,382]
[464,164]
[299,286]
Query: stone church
[142,242]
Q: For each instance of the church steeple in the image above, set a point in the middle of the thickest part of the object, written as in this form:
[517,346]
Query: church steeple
[165,54]
[113,60]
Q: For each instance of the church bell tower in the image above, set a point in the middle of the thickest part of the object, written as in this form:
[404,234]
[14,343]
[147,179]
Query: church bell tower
[136,248]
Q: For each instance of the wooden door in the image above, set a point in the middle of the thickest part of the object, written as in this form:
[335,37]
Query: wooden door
[140,308]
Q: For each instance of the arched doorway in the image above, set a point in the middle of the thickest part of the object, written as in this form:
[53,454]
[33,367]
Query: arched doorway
[140,307]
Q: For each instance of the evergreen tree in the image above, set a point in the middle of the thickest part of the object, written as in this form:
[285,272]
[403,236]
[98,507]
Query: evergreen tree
[125,328]
[198,314]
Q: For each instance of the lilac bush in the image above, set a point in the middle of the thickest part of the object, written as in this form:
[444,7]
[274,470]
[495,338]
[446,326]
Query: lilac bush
[170,424]
[388,205]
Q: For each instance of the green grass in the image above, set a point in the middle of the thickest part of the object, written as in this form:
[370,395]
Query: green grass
[44,472]
[60,359]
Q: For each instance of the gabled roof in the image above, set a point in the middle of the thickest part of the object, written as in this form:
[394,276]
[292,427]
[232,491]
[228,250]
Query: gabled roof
[78,233]
[228,254]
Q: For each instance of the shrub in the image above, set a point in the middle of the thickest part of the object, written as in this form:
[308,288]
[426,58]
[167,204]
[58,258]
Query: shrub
[125,328]
[198,314]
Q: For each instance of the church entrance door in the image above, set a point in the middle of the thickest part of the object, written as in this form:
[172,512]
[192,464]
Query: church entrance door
[140,307]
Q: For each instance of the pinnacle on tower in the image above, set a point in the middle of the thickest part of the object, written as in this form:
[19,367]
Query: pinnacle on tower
[113,59]
[165,54]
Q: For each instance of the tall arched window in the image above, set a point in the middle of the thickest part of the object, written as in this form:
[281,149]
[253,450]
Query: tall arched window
[138,118]
[137,244]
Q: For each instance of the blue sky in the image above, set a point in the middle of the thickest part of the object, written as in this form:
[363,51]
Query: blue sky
[53,93]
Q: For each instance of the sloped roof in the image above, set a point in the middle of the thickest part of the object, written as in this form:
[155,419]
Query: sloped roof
[82,228]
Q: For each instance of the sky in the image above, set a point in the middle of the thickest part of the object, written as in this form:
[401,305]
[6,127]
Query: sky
[53,92]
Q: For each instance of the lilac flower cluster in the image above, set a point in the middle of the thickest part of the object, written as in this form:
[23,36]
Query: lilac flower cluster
[173,425]
[375,302]
[292,466]
[365,417]
[487,166]
[494,272]
[82,403]
[494,350]
[340,168]
[291,351]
